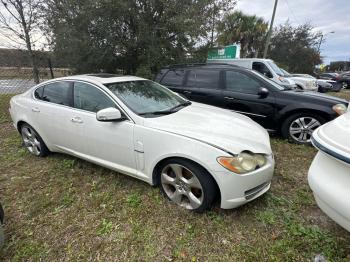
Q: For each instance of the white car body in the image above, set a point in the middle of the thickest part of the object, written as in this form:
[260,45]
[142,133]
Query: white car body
[331,83]
[304,83]
[329,174]
[198,132]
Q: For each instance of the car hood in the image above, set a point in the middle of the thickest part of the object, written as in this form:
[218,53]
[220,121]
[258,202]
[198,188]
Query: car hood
[229,131]
[319,96]
[336,134]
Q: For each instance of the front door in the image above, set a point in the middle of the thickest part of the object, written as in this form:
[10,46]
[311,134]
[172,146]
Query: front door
[241,94]
[108,143]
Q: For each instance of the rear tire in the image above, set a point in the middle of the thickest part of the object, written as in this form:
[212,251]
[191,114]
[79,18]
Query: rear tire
[33,142]
[299,127]
[187,184]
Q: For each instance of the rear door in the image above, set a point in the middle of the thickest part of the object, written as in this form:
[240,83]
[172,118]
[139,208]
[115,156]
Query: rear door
[241,94]
[204,86]
[53,111]
[174,79]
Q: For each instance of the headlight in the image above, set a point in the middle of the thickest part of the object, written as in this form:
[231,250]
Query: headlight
[339,109]
[243,163]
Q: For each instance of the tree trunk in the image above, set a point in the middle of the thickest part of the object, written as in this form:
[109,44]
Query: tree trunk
[28,43]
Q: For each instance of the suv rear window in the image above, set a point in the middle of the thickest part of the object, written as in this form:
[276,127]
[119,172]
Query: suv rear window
[173,78]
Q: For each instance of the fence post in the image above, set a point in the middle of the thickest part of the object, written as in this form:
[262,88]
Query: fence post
[50,66]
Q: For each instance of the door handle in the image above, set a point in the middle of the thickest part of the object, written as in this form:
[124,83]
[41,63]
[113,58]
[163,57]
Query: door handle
[76,119]
[187,92]
[229,98]
[35,110]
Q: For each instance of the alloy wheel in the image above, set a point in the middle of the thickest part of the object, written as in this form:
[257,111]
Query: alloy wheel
[31,140]
[302,128]
[182,186]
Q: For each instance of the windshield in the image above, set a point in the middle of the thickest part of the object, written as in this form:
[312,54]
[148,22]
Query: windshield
[275,68]
[268,80]
[146,97]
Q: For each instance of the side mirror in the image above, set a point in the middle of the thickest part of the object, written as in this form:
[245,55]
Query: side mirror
[263,92]
[109,114]
[268,74]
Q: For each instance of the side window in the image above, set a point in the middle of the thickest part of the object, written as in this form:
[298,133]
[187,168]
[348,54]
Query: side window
[207,79]
[262,68]
[89,98]
[38,93]
[242,83]
[173,78]
[203,78]
[58,93]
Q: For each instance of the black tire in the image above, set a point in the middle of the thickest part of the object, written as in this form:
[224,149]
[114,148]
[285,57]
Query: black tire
[44,151]
[209,189]
[285,128]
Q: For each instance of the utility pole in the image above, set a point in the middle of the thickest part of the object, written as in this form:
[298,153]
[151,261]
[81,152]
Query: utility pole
[321,39]
[270,30]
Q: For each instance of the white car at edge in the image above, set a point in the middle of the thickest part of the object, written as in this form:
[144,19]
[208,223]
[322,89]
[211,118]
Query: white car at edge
[194,152]
[329,174]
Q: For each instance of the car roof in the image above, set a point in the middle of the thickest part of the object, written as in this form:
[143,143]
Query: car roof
[101,78]
[202,65]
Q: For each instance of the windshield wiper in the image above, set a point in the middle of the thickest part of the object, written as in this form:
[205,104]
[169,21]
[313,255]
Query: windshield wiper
[173,109]
[164,112]
[168,111]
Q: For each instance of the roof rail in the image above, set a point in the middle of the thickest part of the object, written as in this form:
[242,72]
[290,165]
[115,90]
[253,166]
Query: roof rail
[198,64]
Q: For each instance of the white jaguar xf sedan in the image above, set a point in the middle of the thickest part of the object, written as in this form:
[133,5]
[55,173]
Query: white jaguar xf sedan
[194,152]
[329,174]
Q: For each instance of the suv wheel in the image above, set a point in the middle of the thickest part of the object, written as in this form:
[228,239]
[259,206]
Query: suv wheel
[298,128]
[187,184]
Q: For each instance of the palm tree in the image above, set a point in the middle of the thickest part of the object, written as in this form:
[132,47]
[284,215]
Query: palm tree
[248,30]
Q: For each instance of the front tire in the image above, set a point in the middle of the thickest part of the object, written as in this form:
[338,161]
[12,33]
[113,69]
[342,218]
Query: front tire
[298,128]
[33,142]
[187,184]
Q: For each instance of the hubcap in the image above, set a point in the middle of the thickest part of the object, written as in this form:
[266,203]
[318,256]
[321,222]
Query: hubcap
[344,85]
[31,141]
[182,186]
[302,128]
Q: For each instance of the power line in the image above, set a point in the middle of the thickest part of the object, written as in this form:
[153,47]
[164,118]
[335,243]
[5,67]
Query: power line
[291,11]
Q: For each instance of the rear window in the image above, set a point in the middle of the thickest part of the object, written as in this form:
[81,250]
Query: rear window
[173,78]
[38,93]
[204,78]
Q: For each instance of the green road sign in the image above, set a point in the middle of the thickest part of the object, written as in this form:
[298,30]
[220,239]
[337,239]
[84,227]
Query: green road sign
[227,52]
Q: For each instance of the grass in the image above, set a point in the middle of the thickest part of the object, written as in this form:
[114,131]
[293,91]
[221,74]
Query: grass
[63,208]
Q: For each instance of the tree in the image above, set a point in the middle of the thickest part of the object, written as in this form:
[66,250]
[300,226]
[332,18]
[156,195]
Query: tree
[135,35]
[295,48]
[19,22]
[248,30]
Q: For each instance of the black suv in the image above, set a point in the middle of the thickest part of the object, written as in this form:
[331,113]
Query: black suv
[295,114]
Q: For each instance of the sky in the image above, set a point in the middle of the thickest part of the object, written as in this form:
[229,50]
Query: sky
[325,15]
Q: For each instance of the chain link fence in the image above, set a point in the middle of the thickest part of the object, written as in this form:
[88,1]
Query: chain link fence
[16,80]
